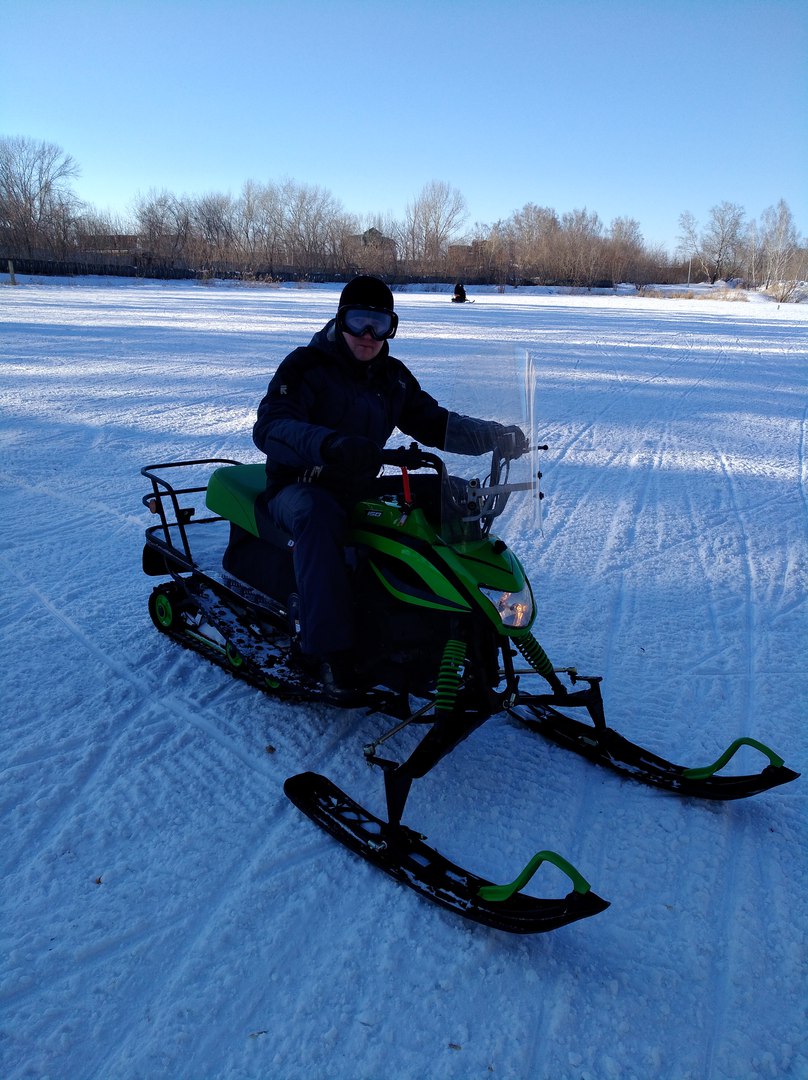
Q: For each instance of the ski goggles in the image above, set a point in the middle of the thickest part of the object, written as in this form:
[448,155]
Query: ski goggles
[356,321]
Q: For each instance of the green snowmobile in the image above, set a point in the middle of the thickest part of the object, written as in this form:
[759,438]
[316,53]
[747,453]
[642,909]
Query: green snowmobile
[445,612]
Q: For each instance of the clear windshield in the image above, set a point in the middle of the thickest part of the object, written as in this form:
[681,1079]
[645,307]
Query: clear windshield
[492,383]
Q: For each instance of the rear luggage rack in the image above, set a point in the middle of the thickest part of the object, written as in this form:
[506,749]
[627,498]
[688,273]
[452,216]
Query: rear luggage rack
[175,515]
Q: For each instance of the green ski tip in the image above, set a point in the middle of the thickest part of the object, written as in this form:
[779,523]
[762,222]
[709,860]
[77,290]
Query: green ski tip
[499,893]
[709,770]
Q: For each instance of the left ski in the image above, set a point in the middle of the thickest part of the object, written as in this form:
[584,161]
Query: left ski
[402,853]
[605,746]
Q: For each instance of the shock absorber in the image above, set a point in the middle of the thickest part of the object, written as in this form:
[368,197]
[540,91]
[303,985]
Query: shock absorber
[539,661]
[448,685]
[534,654]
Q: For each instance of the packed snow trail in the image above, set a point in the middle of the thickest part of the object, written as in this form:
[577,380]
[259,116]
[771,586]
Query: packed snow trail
[167,912]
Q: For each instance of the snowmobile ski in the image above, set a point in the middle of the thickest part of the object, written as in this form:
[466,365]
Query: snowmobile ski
[605,746]
[403,855]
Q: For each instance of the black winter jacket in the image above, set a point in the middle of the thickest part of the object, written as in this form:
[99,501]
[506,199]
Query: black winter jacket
[321,388]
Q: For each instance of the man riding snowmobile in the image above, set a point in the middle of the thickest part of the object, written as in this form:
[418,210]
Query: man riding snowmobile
[328,411]
[441,608]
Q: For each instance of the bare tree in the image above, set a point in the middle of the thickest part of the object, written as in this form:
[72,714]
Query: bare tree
[263,225]
[533,234]
[778,242]
[493,252]
[624,251]
[250,225]
[432,219]
[719,249]
[580,247]
[37,206]
[689,243]
[309,214]
[723,241]
[369,246]
[213,220]
[164,225]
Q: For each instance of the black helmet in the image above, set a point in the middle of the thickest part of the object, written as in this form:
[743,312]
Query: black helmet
[366,306]
[366,291]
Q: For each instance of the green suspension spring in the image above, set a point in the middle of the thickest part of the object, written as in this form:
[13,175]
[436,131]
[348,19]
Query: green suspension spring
[534,654]
[454,656]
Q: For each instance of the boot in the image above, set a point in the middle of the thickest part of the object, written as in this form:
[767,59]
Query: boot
[339,680]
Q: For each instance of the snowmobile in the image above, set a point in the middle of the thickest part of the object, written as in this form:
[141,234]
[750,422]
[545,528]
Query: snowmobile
[445,612]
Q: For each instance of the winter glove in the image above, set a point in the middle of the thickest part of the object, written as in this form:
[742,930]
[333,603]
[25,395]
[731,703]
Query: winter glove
[512,442]
[351,453]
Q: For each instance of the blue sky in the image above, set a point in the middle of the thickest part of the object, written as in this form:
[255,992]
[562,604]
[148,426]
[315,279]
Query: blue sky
[633,109]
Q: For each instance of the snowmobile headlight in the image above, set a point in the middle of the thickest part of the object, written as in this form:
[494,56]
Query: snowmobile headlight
[514,608]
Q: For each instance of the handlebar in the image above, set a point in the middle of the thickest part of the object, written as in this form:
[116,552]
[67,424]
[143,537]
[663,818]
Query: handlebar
[412,457]
[478,501]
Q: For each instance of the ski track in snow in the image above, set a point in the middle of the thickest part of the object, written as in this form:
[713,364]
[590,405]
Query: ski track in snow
[168,913]
[182,709]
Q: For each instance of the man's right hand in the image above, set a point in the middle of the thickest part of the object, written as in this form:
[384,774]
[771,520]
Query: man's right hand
[352,453]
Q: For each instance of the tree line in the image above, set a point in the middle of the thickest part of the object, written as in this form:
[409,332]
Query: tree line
[287,229]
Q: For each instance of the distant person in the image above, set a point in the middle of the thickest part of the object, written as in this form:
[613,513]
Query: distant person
[459,294]
[329,410]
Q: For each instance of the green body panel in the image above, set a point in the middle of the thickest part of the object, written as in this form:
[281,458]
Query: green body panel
[452,573]
[449,576]
[438,592]
[409,538]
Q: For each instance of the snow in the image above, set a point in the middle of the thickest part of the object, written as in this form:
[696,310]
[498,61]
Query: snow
[168,913]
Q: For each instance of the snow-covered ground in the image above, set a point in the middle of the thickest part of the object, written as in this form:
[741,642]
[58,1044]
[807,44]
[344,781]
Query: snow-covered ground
[166,911]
